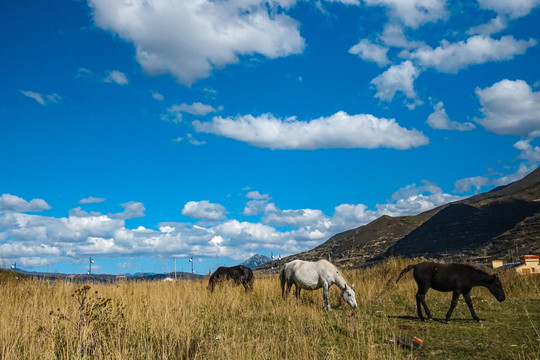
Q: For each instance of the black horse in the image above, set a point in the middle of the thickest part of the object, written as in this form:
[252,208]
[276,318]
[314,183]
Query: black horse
[239,274]
[459,278]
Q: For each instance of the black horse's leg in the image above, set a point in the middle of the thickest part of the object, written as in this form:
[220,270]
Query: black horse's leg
[467,296]
[455,298]
[421,301]
[419,298]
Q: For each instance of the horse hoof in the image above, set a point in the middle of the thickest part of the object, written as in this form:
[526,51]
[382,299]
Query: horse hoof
[448,321]
[430,319]
[480,321]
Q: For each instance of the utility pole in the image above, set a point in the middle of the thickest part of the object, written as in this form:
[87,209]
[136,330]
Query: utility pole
[191,261]
[90,266]
[175,269]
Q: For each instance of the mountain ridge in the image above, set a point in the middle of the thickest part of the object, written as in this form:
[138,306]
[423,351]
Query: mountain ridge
[501,223]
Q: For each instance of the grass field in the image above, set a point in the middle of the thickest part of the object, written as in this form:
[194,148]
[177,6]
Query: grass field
[163,320]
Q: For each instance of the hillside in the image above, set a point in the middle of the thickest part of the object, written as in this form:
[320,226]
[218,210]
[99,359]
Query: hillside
[501,223]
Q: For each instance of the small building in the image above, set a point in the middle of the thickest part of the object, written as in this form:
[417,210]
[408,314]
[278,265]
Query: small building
[530,265]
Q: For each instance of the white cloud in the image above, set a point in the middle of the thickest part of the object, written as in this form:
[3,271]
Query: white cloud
[477,182]
[194,141]
[369,51]
[196,108]
[132,209]
[174,113]
[42,98]
[255,195]
[528,152]
[438,119]
[13,203]
[81,234]
[414,199]
[297,218]
[495,25]
[158,96]
[397,78]
[478,49]
[117,77]
[510,108]
[203,210]
[91,200]
[466,184]
[413,13]
[394,35]
[511,8]
[188,39]
[340,130]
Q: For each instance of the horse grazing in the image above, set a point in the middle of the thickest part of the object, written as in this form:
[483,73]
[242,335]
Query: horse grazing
[239,274]
[459,278]
[314,275]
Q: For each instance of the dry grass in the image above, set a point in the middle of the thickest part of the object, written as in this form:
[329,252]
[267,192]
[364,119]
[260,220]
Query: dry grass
[162,320]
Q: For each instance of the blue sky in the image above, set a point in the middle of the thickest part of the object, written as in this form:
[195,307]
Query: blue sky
[138,131]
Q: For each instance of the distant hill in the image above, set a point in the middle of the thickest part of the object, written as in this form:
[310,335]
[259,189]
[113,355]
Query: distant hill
[502,223]
[98,277]
[256,260]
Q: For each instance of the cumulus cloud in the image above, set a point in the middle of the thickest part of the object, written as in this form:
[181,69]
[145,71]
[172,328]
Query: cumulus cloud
[478,49]
[189,39]
[203,210]
[494,179]
[13,203]
[510,108]
[369,51]
[91,200]
[116,77]
[466,184]
[397,78]
[511,8]
[132,209]
[414,199]
[413,13]
[340,130]
[528,152]
[174,113]
[53,239]
[438,119]
[42,99]
[394,35]
[495,25]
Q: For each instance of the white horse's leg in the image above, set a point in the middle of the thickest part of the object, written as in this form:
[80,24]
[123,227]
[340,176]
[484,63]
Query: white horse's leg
[326,297]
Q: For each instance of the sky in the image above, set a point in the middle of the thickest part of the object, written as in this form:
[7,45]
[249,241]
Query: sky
[139,131]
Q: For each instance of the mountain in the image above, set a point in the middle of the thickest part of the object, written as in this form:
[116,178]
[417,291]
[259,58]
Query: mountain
[256,260]
[502,223]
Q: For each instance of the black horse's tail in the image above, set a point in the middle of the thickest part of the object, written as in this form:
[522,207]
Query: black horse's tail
[404,271]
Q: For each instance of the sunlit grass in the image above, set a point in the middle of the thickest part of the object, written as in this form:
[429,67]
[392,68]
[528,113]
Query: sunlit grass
[183,320]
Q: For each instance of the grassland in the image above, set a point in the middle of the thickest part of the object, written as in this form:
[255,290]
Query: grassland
[162,320]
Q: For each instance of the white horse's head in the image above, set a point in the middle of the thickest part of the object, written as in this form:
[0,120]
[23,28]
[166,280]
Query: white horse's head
[349,296]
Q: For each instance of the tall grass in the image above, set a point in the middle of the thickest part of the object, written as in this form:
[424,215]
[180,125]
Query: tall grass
[183,320]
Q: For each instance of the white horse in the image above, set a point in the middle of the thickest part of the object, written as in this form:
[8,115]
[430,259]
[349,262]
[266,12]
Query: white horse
[315,275]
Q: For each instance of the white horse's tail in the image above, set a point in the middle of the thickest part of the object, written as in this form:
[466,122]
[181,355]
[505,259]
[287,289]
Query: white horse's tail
[282,280]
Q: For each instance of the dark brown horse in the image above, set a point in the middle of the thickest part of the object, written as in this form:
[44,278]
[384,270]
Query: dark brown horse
[458,278]
[239,274]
